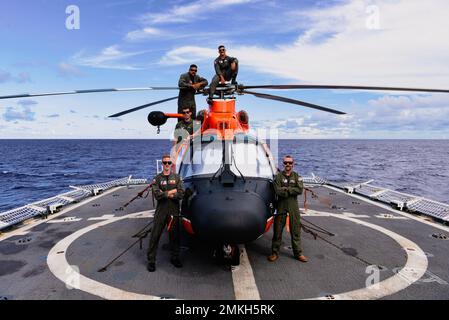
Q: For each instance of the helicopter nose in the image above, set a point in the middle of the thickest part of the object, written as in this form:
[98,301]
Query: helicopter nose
[229,216]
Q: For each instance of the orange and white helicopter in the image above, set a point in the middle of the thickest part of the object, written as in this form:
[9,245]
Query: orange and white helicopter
[227,171]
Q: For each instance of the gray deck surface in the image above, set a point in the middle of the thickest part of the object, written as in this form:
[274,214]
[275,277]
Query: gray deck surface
[336,265]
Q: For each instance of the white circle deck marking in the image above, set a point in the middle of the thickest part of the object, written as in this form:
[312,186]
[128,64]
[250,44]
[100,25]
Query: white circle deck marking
[413,270]
[415,266]
[60,267]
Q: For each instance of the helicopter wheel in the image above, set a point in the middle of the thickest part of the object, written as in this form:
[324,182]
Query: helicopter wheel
[235,255]
[219,255]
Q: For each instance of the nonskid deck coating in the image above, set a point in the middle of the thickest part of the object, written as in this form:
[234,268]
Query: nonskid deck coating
[338,264]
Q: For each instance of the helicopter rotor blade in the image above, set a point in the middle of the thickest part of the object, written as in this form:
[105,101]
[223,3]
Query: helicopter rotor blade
[337,87]
[147,105]
[29,95]
[293,101]
[141,107]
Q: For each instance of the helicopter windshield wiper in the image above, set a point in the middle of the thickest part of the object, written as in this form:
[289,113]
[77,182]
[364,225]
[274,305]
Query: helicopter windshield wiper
[235,164]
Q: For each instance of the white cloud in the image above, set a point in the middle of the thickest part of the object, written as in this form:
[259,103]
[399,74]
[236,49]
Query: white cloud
[22,77]
[19,114]
[143,34]
[109,58]
[187,54]
[308,127]
[27,103]
[184,13]
[414,116]
[409,49]
[68,70]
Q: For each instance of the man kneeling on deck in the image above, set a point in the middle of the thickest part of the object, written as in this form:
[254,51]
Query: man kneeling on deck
[168,191]
[288,185]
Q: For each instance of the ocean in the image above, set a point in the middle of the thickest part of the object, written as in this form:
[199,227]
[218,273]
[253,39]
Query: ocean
[32,170]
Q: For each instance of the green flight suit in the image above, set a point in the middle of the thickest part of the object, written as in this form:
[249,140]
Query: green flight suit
[164,210]
[183,129]
[287,189]
[186,97]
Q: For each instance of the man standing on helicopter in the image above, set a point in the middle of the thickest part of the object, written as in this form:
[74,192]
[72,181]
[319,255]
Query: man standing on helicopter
[288,185]
[226,69]
[189,83]
[168,191]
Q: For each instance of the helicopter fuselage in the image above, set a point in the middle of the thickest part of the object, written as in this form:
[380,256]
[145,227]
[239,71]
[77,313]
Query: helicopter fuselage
[228,175]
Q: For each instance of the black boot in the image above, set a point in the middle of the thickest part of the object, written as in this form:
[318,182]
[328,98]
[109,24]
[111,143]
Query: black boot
[151,266]
[176,262]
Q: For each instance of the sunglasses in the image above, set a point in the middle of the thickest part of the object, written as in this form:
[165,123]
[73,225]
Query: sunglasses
[288,162]
[167,162]
[194,70]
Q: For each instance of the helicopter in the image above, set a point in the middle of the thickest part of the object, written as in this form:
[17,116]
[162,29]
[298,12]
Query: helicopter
[227,171]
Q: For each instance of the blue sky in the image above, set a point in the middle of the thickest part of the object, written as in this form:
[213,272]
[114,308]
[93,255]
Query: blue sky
[133,43]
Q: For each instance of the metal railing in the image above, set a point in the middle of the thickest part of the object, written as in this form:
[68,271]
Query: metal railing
[399,200]
[44,207]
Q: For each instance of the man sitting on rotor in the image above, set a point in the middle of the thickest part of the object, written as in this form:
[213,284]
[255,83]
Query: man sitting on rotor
[226,69]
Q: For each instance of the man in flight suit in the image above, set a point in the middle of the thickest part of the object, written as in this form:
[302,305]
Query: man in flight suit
[186,127]
[168,191]
[288,185]
[189,83]
[226,69]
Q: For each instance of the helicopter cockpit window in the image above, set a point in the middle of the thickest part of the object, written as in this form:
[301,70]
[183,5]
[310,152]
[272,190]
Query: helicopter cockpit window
[251,160]
[247,157]
[206,159]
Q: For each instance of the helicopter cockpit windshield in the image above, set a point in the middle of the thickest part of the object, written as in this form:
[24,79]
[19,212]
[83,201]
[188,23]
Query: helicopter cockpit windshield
[248,157]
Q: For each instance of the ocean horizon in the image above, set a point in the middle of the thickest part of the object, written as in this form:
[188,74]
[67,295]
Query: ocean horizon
[34,169]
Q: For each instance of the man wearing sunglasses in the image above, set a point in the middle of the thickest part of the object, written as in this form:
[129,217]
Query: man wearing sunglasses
[226,69]
[186,127]
[168,191]
[288,185]
[189,83]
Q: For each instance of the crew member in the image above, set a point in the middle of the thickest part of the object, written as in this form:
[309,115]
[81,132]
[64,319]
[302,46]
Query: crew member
[168,191]
[226,69]
[189,83]
[186,127]
[288,185]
